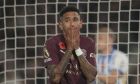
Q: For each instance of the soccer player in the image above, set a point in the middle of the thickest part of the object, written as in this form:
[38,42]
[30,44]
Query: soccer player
[112,64]
[69,57]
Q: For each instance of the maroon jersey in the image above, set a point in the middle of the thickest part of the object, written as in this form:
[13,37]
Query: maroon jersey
[54,51]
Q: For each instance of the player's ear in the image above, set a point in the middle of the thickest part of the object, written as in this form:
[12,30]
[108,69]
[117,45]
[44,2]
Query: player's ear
[81,23]
[60,25]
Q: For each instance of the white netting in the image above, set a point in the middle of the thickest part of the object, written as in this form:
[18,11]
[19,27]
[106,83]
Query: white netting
[26,24]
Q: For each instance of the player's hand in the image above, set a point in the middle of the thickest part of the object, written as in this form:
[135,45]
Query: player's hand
[68,39]
[76,39]
[72,38]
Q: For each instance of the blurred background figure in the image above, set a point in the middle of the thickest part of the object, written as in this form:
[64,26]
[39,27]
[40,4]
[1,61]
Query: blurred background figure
[112,64]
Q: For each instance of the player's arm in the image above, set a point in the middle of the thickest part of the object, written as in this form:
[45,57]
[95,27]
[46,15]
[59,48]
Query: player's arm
[112,77]
[56,72]
[109,79]
[55,66]
[88,69]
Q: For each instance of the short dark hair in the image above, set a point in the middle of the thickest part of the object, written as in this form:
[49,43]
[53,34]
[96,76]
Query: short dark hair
[68,9]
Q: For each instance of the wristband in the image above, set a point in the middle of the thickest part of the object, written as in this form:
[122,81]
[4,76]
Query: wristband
[78,52]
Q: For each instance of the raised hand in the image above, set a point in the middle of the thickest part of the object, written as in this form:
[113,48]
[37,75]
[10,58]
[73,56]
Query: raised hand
[72,38]
[76,39]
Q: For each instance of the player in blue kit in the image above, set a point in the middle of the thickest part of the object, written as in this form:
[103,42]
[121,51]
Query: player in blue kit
[112,64]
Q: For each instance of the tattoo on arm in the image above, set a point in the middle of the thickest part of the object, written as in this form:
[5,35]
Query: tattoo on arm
[88,69]
[56,71]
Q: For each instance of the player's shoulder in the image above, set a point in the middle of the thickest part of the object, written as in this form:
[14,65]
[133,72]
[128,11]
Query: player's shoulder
[87,39]
[121,56]
[120,53]
[53,39]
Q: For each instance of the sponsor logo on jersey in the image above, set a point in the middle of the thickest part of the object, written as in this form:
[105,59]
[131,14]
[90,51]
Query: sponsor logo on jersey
[92,55]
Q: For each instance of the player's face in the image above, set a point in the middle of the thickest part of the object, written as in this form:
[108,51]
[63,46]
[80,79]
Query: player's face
[104,40]
[70,21]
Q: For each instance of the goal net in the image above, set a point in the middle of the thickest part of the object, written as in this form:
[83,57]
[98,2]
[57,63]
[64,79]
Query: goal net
[26,24]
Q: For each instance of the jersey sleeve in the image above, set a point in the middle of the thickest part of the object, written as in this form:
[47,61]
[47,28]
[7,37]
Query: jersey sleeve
[123,69]
[50,53]
[91,53]
[120,62]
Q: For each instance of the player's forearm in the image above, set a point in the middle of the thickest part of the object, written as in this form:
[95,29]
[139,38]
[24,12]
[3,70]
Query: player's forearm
[108,80]
[61,67]
[103,79]
[64,62]
[89,70]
